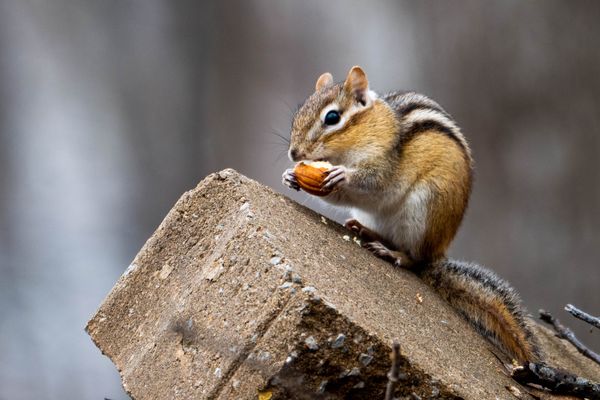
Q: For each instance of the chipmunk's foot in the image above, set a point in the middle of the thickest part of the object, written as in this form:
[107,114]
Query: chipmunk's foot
[373,242]
[365,234]
[289,179]
[380,250]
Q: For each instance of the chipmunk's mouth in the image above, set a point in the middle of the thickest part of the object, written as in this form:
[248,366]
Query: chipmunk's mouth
[312,160]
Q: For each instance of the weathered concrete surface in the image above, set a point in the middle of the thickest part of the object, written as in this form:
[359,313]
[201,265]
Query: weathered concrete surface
[243,294]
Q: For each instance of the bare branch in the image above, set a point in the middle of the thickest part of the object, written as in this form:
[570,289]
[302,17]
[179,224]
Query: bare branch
[557,381]
[577,313]
[565,333]
[393,375]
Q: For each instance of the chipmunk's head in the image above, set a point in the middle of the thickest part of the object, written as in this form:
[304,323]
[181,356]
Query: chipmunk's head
[338,121]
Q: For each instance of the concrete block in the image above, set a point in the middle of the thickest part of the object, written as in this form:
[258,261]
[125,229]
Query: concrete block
[243,294]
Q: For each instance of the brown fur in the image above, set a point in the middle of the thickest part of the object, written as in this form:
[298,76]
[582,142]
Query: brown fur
[488,302]
[439,162]
[372,143]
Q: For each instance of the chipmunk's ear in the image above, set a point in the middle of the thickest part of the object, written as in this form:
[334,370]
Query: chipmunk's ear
[357,84]
[324,80]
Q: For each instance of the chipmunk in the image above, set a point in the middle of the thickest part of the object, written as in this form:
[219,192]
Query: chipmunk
[404,169]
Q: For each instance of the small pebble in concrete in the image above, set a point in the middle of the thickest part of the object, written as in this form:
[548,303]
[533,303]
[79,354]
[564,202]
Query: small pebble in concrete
[286,285]
[130,269]
[291,357]
[287,273]
[264,356]
[365,359]
[309,289]
[311,343]
[359,385]
[275,260]
[354,372]
[323,386]
[218,373]
[296,278]
[268,235]
[346,238]
[339,341]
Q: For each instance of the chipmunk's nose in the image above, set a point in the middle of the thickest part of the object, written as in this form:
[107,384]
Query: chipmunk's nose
[295,155]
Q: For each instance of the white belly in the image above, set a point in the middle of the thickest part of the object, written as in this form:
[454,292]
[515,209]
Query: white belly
[403,223]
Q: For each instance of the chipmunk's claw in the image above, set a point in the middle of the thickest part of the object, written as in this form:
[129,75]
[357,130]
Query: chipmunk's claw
[364,233]
[353,225]
[335,175]
[379,250]
[289,179]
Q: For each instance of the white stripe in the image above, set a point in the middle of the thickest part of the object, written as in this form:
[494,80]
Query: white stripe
[427,114]
[421,115]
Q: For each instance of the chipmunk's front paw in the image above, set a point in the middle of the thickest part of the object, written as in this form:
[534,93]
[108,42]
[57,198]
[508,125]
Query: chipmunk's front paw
[289,179]
[335,175]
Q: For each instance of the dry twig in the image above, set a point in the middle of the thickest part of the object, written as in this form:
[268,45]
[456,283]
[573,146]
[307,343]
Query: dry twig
[393,375]
[559,382]
[577,313]
[565,333]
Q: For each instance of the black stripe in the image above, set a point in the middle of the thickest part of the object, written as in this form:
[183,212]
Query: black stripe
[410,107]
[428,125]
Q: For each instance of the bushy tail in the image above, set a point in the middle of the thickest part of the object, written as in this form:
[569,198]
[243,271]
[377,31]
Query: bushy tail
[488,302]
[494,308]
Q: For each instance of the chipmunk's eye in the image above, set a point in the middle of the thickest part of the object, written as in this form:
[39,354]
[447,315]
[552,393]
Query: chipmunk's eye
[332,117]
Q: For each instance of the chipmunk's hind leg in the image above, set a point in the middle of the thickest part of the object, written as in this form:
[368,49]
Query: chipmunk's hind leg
[375,244]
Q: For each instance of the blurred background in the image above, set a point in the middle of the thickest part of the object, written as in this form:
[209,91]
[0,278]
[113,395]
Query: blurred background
[110,110]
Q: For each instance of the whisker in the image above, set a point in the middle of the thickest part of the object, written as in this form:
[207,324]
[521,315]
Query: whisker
[281,154]
[280,136]
[291,110]
[276,144]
